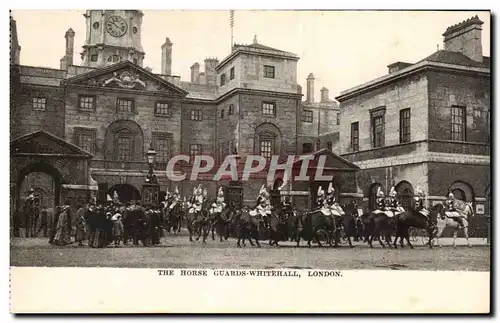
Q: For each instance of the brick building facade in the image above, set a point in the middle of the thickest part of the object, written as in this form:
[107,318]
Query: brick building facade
[113,109]
[425,124]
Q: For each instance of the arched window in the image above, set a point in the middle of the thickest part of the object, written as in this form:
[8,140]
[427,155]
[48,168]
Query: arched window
[462,191]
[267,140]
[405,194]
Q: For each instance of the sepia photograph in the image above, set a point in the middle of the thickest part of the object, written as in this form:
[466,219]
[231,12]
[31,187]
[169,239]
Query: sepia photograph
[294,146]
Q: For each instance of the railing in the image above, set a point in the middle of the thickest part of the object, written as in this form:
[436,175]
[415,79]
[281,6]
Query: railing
[126,165]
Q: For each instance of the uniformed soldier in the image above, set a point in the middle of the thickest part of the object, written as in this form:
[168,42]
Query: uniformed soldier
[320,199]
[450,205]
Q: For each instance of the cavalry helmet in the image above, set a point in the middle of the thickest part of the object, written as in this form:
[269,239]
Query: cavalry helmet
[450,195]
[393,192]
[380,193]
[320,191]
[330,188]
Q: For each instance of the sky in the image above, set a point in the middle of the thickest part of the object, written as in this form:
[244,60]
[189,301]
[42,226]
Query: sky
[341,48]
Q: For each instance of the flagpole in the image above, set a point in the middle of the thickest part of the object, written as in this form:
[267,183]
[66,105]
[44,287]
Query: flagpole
[231,23]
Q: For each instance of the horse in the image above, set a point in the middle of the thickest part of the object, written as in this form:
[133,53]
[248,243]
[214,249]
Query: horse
[222,221]
[349,221]
[380,223]
[247,226]
[31,213]
[415,219]
[314,222]
[279,225]
[443,221]
[173,217]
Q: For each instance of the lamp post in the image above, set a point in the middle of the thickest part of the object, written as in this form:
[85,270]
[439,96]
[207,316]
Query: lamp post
[151,188]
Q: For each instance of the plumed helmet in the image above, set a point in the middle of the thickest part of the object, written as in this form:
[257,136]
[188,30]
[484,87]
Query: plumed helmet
[194,190]
[262,190]
[205,192]
[320,191]
[330,188]
[31,190]
[380,193]
[220,192]
[450,195]
[177,190]
[393,192]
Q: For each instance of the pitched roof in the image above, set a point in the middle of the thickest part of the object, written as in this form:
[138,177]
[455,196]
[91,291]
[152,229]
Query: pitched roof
[260,46]
[456,58]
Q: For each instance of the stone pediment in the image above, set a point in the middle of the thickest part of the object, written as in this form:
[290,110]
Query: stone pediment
[332,161]
[125,75]
[41,143]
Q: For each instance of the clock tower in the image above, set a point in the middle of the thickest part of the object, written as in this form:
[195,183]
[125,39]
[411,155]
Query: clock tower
[112,36]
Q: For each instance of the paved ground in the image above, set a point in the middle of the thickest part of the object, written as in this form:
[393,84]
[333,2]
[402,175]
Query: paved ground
[178,252]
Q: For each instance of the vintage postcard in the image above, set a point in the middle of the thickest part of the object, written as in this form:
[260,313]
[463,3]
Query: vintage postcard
[300,161]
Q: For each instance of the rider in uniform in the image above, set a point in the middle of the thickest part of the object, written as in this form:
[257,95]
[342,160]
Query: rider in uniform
[380,199]
[176,198]
[263,202]
[450,204]
[219,204]
[287,206]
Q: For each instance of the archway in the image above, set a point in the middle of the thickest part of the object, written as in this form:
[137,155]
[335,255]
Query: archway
[405,193]
[372,202]
[38,168]
[126,192]
[462,191]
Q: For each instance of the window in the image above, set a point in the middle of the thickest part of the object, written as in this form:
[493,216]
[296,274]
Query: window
[231,73]
[162,109]
[194,149]
[329,146]
[378,127]
[404,125]
[123,149]
[195,115]
[86,103]
[162,147]
[222,79]
[307,116]
[222,113]
[39,104]
[231,110]
[125,105]
[355,136]
[266,148]
[338,119]
[307,148]
[457,123]
[85,139]
[269,108]
[93,58]
[268,71]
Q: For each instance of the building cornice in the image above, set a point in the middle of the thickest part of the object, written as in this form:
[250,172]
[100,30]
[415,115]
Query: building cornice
[406,72]
[257,52]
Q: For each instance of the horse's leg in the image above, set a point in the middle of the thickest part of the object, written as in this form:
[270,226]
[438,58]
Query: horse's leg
[377,233]
[466,233]
[407,237]
[318,238]
[438,234]
[455,232]
[298,239]
[256,237]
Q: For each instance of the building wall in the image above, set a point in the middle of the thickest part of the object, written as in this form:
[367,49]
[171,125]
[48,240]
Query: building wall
[470,91]
[199,132]
[25,119]
[443,175]
[106,113]
[251,117]
[410,92]
[226,127]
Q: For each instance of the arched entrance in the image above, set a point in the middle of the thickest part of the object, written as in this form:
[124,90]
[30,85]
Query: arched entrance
[126,192]
[372,203]
[44,174]
[405,193]
[462,191]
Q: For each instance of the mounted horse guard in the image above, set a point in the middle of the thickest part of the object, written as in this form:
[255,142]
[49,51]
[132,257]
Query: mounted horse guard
[452,212]
[263,204]
[395,208]
[330,207]
[419,203]
[196,200]
[176,198]
[219,204]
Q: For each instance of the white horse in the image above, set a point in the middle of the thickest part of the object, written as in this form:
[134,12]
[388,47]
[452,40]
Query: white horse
[444,221]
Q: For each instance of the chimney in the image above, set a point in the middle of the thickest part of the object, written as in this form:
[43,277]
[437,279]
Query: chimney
[398,66]
[210,74]
[310,88]
[15,49]
[325,95]
[195,73]
[62,63]
[166,57]
[202,79]
[70,41]
[465,38]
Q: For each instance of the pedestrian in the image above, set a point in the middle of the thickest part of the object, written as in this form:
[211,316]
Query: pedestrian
[117,229]
[81,226]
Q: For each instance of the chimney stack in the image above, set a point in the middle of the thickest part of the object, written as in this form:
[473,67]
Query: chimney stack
[210,74]
[310,88]
[325,95]
[166,57]
[465,38]
[195,73]
[70,41]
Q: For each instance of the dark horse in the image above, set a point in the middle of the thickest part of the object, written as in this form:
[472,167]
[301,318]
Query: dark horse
[279,225]
[173,217]
[349,221]
[413,218]
[247,226]
[222,221]
[313,223]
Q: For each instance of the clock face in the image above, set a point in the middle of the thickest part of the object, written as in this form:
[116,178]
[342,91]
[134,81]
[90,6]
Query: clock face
[116,26]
